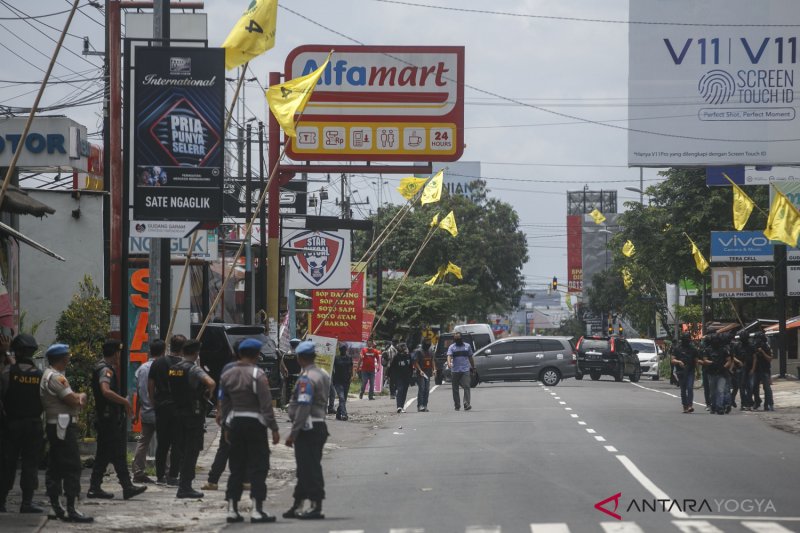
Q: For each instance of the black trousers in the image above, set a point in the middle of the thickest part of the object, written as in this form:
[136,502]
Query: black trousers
[23,438]
[308,457]
[249,459]
[220,459]
[190,443]
[110,449]
[64,469]
[166,434]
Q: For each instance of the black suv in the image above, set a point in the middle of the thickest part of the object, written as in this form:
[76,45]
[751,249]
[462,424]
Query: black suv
[217,350]
[609,356]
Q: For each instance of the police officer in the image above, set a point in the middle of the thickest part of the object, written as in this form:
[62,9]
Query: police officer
[684,358]
[61,407]
[290,370]
[308,434]
[24,435]
[246,411]
[190,388]
[111,409]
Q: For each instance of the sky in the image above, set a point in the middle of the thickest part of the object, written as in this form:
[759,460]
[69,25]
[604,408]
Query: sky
[521,49]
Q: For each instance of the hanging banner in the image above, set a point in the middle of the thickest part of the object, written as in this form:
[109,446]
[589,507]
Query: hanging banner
[346,321]
[179,108]
[322,261]
[368,318]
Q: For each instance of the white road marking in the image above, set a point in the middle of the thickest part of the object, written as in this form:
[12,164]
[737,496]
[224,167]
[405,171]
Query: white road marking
[483,529]
[557,398]
[765,527]
[552,394]
[696,526]
[568,408]
[621,527]
[599,438]
[574,415]
[347,531]
[662,392]
[562,403]
[610,449]
[648,485]
[408,530]
[590,431]
[550,528]
[581,423]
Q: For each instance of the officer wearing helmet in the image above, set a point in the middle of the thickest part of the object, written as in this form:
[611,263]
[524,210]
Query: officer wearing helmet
[19,395]
[61,407]
[309,433]
[290,370]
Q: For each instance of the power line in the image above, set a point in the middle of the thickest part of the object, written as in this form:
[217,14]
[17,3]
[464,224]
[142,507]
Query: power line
[36,17]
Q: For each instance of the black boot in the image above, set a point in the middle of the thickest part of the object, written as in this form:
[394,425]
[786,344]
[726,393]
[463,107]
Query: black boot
[293,510]
[27,506]
[58,511]
[314,513]
[233,512]
[257,514]
[73,515]
[98,493]
[3,505]
[132,490]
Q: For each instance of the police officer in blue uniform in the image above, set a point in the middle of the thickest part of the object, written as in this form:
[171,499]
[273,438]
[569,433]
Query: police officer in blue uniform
[19,384]
[309,432]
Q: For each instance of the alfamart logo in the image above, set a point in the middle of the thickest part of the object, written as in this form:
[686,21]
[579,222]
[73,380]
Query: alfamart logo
[614,505]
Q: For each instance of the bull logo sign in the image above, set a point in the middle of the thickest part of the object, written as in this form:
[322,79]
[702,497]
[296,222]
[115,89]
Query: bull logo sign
[320,254]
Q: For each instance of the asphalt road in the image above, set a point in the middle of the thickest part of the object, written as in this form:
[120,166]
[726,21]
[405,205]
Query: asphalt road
[533,459]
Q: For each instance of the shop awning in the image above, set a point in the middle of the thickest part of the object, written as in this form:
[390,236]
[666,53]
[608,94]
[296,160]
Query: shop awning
[30,242]
[18,202]
[791,323]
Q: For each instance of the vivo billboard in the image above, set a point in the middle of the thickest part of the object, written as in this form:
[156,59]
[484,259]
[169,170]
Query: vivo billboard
[740,247]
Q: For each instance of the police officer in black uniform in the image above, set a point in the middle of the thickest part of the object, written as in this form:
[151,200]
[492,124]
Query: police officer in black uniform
[290,370]
[24,436]
[309,433]
[190,388]
[111,409]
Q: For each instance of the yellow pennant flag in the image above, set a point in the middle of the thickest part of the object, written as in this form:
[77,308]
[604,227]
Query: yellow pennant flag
[448,224]
[783,223]
[433,190]
[628,249]
[435,220]
[454,270]
[699,261]
[410,186]
[433,280]
[742,205]
[253,34]
[290,97]
[627,279]
[597,216]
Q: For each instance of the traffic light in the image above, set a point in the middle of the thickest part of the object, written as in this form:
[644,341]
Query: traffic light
[611,329]
[620,330]
[555,283]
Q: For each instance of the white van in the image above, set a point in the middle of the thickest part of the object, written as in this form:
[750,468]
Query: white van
[482,334]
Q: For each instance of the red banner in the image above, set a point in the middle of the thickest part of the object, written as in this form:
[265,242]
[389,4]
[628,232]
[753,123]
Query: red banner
[368,319]
[346,320]
[574,251]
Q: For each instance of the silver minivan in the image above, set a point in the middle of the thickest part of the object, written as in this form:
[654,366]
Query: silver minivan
[545,359]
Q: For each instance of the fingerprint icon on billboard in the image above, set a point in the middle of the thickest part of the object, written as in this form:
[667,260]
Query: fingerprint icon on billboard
[717,87]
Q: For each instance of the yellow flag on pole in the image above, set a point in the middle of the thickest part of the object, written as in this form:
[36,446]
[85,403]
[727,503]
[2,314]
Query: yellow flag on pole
[433,190]
[448,224]
[433,280]
[253,34]
[290,97]
[627,278]
[628,249]
[699,261]
[410,186]
[597,216]
[435,220]
[454,270]
[742,205]
[783,223]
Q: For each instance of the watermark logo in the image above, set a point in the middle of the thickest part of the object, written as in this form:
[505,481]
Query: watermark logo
[600,506]
[720,506]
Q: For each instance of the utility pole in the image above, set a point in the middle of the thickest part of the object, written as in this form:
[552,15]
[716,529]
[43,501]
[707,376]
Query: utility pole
[262,218]
[248,279]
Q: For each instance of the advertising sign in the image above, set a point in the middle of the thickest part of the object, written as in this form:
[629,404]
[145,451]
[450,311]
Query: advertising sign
[178,139]
[724,84]
[793,280]
[205,246]
[574,254]
[760,175]
[459,177]
[381,103]
[52,143]
[322,261]
[326,349]
[346,321]
[367,319]
[292,198]
[742,282]
[741,247]
[138,314]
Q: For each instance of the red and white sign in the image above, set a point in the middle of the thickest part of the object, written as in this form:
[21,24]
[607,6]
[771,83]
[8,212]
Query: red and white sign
[340,312]
[381,103]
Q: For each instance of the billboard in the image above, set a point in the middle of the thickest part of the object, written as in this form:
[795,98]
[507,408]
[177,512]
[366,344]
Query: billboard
[292,197]
[179,108]
[595,255]
[52,144]
[724,84]
[741,247]
[381,103]
[343,308]
[760,175]
[574,254]
[322,260]
[205,246]
[742,282]
[459,177]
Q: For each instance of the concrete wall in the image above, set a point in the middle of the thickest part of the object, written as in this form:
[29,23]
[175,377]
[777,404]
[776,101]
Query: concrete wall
[46,284]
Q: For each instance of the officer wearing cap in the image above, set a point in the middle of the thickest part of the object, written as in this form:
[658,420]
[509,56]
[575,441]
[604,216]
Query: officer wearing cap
[111,409]
[246,412]
[309,433]
[61,407]
[290,370]
[24,437]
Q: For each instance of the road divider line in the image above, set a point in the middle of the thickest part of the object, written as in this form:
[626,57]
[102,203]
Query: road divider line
[598,438]
[562,403]
[765,527]
[590,430]
[550,528]
[568,408]
[621,527]
[573,415]
[483,529]
[696,526]
[649,486]
[581,423]
[610,449]
[662,392]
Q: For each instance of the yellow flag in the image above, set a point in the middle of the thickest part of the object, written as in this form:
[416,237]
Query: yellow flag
[253,34]
[433,280]
[410,186]
[699,261]
[597,216]
[628,249]
[783,223]
[290,97]
[448,224]
[435,220]
[627,279]
[742,206]
[454,270]
[433,190]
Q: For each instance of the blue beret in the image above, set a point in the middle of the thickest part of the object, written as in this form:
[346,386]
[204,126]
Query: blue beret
[57,350]
[307,348]
[250,344]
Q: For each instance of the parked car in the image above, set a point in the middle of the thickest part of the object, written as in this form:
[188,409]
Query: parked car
[649,356]
[607,356]
[440,355]
[545,359]
[217,350]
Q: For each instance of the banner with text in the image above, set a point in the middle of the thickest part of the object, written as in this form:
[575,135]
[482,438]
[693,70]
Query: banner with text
[742,282]
[345,321]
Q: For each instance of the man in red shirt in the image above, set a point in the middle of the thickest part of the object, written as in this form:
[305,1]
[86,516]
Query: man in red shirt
[370,359]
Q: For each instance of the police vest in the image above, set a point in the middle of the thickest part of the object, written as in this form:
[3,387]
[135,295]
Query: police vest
[104,407]
[291,364]
[22,398]
[185,398]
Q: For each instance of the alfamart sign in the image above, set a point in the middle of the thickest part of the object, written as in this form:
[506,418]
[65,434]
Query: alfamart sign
[381,103]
